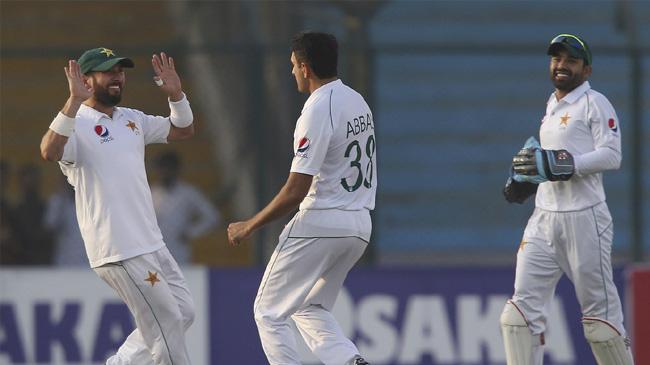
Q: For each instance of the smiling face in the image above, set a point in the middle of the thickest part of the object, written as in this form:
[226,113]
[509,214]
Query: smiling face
[108,85]
[567,72]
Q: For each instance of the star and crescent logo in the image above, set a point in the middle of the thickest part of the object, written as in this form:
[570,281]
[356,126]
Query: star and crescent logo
[153,278]
[107,52]
[564,120]
[132,125]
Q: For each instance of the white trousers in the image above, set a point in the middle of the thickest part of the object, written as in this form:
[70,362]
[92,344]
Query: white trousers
[154,289]
[578,244]
[302,281]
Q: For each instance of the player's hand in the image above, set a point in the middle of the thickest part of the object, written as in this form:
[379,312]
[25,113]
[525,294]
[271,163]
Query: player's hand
[79,90]
[536,165]
[166,77]
[517,192]
[238,232]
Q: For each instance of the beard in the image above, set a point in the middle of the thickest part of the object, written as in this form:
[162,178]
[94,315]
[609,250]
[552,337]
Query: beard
[568,84]
[103,96]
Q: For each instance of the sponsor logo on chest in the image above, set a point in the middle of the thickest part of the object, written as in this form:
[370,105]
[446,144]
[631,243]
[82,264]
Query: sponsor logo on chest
[103,133]
[106,136]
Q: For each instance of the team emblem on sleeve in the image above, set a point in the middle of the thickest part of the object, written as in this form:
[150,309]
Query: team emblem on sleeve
[612,124]
[303,146]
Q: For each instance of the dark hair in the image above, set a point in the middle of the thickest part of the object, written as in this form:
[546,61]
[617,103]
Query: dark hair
[319,50]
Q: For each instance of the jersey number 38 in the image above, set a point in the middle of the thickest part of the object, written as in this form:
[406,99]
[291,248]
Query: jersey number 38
[356,163]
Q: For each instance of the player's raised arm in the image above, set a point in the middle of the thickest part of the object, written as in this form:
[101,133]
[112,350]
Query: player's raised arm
[169,82]
[62,126]
[101,147]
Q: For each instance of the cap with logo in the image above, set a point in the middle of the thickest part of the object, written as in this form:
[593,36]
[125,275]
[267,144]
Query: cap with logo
[573,44]
[101,59]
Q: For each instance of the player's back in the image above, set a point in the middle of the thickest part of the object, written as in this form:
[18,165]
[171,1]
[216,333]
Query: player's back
[335,142]
[344,140]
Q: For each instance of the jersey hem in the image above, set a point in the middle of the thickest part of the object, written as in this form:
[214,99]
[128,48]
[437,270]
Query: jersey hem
[572,210]
[122,257]
[355,236]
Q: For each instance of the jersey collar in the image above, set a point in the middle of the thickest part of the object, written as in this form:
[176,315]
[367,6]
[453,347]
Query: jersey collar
[322,90]
[96,115]
[576,93]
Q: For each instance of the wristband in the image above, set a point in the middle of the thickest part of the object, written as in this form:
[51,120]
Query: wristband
[63,125]
[180,113]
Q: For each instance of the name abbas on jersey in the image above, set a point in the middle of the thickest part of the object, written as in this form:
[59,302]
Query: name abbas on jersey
[359,125]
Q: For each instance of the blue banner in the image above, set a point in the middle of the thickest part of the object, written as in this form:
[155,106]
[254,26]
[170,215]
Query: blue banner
[71,317]
[395,316]
[405,316]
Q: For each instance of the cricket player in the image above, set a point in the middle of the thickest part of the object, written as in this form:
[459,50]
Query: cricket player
[571,230]
[333,178]
[100,148]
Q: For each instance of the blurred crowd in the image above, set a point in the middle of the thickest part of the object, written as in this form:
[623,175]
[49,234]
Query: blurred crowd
[24,237]
[39,230]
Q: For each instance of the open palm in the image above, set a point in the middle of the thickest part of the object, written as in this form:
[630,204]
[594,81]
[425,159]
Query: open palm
[165,70]
[78,88]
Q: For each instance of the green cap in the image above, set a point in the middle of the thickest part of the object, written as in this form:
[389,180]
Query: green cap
[573,44]
[101,59]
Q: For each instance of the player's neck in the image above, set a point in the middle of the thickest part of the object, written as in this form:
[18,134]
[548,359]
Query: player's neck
[108,110]
[559,94]
[314,84]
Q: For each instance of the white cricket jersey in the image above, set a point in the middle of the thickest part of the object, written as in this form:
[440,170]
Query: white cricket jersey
[104,161]
[334,141]
[585,124]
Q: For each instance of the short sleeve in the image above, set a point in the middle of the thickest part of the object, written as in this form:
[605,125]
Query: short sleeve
[604,123]
[310,144]
[69,157]
[155,128]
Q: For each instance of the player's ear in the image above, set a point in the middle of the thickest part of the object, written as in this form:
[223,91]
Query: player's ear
[306,70]
[587,71]
[88,80]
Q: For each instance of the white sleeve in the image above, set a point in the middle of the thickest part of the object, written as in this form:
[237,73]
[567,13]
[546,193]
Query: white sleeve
[606,133]
[155,128]
[310,144]
[69,157]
